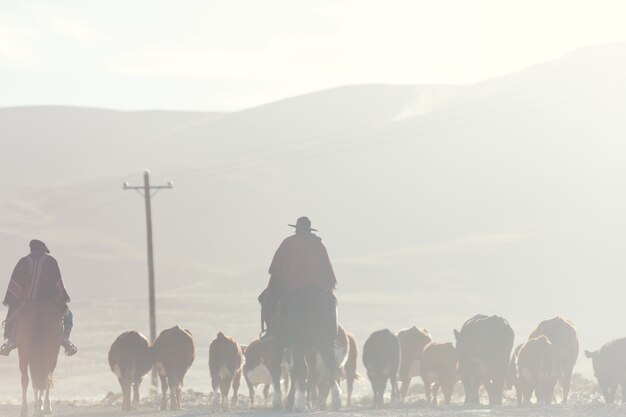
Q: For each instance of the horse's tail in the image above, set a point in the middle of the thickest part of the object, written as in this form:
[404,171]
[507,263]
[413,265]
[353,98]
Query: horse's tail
[38,363]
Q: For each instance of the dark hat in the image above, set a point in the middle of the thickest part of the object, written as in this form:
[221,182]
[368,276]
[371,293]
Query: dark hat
[38,246]
[303,223]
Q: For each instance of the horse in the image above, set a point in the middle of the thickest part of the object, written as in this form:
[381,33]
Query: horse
[38,334]
[306,319]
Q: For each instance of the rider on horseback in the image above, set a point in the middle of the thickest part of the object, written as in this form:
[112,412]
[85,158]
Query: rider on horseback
[36,277]
[300,261]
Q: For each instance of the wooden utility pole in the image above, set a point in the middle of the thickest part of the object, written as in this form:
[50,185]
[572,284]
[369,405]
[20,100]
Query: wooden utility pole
[146,192]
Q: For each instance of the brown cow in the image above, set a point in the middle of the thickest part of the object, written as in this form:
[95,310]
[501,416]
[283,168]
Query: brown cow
[225,363]
[349,370]
[412,342]
[173,353]
[130,359]
[259,356]
[438,369]
[562,334]
[318,378]
[381,357]
[609,367]
[537,371]
[484,347]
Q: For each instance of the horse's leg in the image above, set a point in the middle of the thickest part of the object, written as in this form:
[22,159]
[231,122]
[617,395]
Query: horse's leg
[24,371]
[275,371]
[163,392]
[297,394]
[327,353]
[47,408]
[38,411]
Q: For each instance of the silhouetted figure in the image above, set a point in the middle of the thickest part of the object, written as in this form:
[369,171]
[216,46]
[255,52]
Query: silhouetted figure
[36,277]
[300,261]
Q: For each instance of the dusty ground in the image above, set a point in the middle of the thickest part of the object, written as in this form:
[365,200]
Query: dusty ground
[584,402]
[590,410]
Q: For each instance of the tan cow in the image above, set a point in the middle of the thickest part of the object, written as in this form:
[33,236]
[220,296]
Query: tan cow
[225,363]
[609,367]
[259,361]
[562,334]
[130,359]
[537,371]
[438,369]
[173,353]
[412,343]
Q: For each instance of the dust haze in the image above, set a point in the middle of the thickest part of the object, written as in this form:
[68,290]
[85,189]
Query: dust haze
[436,201]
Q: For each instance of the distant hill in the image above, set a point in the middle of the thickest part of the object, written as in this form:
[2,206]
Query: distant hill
[436,202]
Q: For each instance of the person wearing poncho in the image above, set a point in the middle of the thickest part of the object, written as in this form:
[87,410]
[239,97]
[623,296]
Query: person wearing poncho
[301,260]
[36,277]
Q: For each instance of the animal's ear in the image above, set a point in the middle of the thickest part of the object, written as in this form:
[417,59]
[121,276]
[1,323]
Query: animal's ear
[456,335]
[589,354]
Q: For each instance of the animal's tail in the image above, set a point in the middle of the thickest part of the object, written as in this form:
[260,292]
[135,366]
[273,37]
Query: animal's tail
[39,372]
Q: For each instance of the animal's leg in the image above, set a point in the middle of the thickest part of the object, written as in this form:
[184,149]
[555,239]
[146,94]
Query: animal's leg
[175,389]
[349,388]
[327,353]
[428,391]
[251,393]
[136,396]
[24,411]
[436,387]
[394,388]
[225,388]
[566,382]
[497,388]
[275,371]
[447,387]
[299,367]
[125,383]
[236,383]
[323,390]
[287,380]
[216,382]
[296,399]
[179,394]
[47,408]
[163,392]
[405,381]
[266,393]
[471,386]
[38,411]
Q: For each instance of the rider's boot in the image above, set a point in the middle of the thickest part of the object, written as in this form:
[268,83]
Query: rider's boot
[70,349]
[7,347]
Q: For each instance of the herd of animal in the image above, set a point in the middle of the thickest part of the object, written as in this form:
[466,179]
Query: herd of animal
[483,356]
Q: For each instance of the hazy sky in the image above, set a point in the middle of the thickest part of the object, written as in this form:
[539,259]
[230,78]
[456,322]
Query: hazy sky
[224,55]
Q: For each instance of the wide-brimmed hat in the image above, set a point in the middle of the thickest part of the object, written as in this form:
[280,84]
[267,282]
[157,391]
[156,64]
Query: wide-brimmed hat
[303,223]
[38,246]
